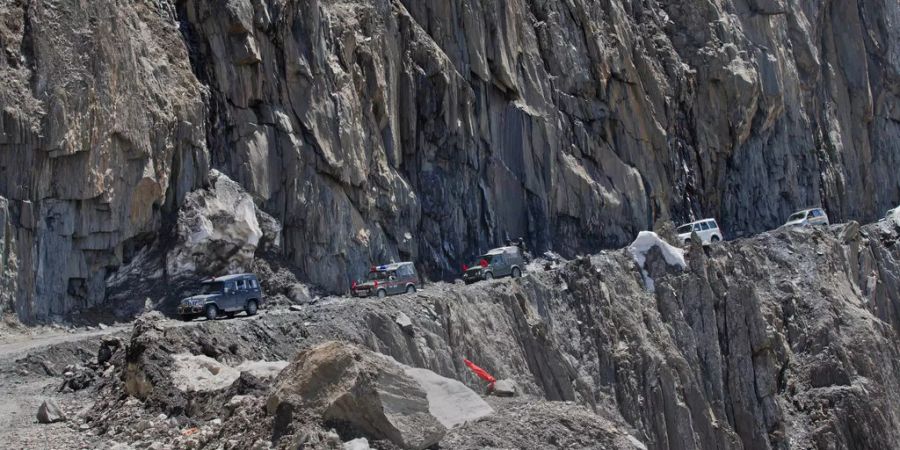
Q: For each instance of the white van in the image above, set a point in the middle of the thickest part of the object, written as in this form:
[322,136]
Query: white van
[707,229]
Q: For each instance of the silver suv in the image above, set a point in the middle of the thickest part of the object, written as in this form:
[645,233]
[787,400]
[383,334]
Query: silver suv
[707,229]
[227,295]
[807,217]
[499,262]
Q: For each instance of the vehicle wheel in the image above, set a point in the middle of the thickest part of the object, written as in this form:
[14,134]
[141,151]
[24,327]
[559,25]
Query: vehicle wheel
[251,307]
[211,312]
[516,273]
[488,276]
[410,289]
[382,293]
[715,239]
[687,242]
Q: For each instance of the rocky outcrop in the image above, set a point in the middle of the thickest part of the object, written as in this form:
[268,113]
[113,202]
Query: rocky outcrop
[785,340]
[8,261]
[219,230]
[101,133]
[49,412]
[535,425]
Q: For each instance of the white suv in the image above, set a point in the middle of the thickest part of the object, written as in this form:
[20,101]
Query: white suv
[814,216]
[707,229]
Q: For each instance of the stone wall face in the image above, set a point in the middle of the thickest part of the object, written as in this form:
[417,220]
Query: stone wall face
[101,129]
[430,130]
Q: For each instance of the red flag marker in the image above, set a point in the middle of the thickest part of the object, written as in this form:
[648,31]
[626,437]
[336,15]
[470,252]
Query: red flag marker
[481,373]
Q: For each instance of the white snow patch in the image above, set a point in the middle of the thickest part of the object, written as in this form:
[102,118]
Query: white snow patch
[357,444]
[645,241]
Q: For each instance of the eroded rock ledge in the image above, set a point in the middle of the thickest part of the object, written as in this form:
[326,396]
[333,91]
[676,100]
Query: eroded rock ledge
[787,340]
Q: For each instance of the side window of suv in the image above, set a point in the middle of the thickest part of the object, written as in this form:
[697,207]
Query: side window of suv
[713,225]
[252,283]
[705,225]
[240,285]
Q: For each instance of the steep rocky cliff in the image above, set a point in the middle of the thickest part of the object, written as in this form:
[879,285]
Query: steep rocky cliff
[101,128]
[431,130]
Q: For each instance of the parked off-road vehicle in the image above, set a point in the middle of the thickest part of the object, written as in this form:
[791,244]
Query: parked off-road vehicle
[226,295]
[808,217]
[707,229]
[389,279]
[499,262]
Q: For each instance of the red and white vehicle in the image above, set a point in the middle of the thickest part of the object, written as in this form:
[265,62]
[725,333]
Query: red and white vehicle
[389,279]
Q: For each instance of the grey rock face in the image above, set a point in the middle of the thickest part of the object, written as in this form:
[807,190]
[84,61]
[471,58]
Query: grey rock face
[101,132]
[396,129]
[431,130]
[735,351]
[8,261]
[49,412]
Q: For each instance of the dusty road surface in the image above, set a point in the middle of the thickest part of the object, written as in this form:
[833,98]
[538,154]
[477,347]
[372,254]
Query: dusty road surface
[24,386]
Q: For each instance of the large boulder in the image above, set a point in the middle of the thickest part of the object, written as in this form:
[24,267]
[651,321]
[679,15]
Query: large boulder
[374,394]
[49,412]
[219,230]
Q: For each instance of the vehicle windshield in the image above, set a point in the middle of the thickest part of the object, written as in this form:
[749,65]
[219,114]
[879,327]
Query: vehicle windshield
[486,258]
[797,216]
[684,229]
[378,275]
[211,288]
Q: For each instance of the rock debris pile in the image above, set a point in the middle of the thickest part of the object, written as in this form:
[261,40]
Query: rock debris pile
[779,341]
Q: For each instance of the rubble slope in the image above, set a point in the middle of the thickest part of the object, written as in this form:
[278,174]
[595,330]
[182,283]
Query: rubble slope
[786,340]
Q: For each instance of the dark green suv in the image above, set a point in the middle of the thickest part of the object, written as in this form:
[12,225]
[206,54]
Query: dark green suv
[499,262]
[226,295]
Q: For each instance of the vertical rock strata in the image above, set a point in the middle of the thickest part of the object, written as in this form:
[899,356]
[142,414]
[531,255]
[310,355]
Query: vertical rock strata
[101,130]
[430,130]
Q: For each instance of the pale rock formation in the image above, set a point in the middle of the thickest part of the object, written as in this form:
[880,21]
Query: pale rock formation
[218,230]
